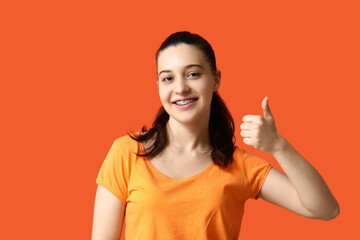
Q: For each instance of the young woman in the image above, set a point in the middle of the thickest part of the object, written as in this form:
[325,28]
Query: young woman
[184,178]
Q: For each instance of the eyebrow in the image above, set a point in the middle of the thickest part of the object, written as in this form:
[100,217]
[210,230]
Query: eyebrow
[187,66]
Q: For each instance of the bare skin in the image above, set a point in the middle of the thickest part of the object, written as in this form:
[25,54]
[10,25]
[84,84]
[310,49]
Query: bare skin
[301,189]
[185,73]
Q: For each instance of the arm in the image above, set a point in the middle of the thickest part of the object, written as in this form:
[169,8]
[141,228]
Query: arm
[301,189]
[108,216]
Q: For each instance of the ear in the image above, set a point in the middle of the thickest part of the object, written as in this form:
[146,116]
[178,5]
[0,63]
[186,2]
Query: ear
[217,80]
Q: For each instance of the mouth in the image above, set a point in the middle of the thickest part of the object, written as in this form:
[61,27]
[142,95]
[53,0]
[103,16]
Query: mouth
[185,102]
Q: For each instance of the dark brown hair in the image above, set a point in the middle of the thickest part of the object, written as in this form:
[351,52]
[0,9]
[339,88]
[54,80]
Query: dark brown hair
[221,123]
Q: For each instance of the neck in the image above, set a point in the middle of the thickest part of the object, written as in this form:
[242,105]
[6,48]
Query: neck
[188,137]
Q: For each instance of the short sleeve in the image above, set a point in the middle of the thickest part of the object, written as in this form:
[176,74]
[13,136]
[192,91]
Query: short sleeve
[256,170]
[114,172]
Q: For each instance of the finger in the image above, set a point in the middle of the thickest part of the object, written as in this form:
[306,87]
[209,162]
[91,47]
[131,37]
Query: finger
[246,126]
[251,118]
[245,133]
[266,108]
[247,141]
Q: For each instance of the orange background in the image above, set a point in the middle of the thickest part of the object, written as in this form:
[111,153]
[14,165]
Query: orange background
[75,75]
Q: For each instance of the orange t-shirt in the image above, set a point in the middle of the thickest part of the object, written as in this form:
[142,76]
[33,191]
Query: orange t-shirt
[208,205]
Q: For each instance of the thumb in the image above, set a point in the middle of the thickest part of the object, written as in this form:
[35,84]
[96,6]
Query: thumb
[266,108]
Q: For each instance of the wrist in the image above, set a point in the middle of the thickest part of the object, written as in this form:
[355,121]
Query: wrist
[280,144]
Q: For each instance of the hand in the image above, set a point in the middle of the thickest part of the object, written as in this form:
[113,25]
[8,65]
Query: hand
[260,131]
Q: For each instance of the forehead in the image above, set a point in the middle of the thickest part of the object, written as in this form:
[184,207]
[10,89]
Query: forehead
[179,56]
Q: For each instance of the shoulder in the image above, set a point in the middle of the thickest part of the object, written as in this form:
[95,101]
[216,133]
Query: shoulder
[126,144]
[246,159]
[125,140]
[238,155]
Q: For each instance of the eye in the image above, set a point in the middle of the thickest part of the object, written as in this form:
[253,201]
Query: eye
[167,79]
[193,74]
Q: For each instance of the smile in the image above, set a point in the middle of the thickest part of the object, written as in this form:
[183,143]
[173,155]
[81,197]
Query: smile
[185,102]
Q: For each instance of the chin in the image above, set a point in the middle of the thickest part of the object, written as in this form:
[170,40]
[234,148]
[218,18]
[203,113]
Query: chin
[182,119]
[187,119]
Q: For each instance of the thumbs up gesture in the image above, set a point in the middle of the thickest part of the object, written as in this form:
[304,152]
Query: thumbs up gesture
[260,131]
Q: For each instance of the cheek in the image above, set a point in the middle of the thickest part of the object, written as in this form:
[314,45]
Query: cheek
[208,94]
[164,94]
[207,91]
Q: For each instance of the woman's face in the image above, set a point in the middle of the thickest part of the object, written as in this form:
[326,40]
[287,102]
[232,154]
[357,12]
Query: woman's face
[186,83]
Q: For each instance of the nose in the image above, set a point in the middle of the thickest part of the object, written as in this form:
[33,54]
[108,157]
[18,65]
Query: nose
[181,86]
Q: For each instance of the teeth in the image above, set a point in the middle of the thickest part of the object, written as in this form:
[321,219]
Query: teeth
[185,102]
